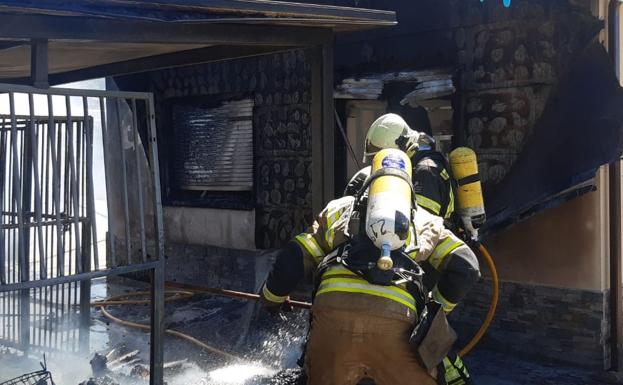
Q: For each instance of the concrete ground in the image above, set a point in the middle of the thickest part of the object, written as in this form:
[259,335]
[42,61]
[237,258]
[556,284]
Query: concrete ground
[266,344]
[491,368]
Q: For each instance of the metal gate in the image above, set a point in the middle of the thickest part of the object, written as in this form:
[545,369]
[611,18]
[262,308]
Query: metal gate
[49,245]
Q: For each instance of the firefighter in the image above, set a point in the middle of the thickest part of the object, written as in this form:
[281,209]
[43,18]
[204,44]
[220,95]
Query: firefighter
[431,176]
[434,191]
[365,308]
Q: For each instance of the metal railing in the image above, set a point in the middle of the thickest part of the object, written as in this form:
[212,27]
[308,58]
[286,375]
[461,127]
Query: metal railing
[50,248]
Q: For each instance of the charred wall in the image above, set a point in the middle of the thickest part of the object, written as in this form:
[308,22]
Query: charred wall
[509,69]
[508,61]
[279,84]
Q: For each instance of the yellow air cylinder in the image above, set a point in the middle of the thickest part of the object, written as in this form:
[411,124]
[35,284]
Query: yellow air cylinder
[471,207]
[389,203]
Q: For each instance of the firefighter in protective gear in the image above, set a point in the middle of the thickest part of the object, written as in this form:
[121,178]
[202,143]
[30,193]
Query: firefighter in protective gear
[435,192]
[360,329]
[431,176]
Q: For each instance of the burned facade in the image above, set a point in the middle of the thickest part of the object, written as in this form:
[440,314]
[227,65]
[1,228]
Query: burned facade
[484,74]
[49,245]
[251,144]
[505,63]
[279,86]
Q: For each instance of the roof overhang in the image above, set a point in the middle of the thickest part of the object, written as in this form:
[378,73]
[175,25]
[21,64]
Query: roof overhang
[110,37]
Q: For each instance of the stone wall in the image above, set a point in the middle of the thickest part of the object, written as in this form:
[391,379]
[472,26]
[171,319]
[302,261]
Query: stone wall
[508,71]
[281,87]
[539,322]
[209,266]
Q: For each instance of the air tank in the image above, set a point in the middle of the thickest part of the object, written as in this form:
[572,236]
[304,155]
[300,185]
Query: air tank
[389,203]
[471,207]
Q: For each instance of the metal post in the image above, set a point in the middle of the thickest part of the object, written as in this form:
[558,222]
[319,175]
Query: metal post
[315,54]
[3,174]
[323,124]
[138,151]
[107,145]
[39,63]
[73,176]
[89,233]
[34,145]
[90,195]
[328,122]
[56,189]
[157,279]
[22,204]
[126,208]
[85,289]
[614,195]
[156,356]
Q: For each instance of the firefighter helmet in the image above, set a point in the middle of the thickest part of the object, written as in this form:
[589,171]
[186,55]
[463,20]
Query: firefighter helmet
[390,131]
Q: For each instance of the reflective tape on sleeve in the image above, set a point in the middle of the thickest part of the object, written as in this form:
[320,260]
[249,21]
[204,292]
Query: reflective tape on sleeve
[428,204]
[311,245]
[447,305]
[442,250]
[273,297]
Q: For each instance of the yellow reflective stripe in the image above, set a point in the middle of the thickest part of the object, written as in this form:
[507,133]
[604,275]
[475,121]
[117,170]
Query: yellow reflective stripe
[333,216]
[337,270]
[428,204]
[447,305]
[329,236]
[446,362]
[349,285]
[273,297]
[450,208]
[444,174]
[452,373]
[443,249]
[311,245]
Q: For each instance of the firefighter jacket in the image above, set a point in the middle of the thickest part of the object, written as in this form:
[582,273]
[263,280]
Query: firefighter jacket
[451,267]
[432,183]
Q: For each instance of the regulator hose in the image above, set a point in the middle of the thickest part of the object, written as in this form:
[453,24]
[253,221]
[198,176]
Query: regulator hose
[494,302]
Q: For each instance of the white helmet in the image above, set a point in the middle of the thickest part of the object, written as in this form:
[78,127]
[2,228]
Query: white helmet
[390,131]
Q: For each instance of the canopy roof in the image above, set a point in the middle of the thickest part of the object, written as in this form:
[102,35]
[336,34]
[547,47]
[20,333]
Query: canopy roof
[95,38]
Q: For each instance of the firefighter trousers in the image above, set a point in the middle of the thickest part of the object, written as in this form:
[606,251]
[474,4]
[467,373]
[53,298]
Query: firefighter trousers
[345,347]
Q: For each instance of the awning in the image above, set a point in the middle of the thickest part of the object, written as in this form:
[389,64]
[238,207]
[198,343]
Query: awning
[581,129]
[96,38]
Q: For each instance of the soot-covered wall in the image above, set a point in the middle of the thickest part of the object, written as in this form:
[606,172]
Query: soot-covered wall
[507,61]
[280,86]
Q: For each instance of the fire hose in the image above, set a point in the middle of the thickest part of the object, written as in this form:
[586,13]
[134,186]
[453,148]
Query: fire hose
[184,291]
[492,306]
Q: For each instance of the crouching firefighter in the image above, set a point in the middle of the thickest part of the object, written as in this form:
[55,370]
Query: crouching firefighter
[372,316]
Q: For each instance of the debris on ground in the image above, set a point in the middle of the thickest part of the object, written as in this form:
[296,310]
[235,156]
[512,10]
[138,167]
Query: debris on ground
[39,377]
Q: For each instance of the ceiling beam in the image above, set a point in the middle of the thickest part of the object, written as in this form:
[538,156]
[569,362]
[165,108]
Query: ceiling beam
[39,63]
[174,59]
